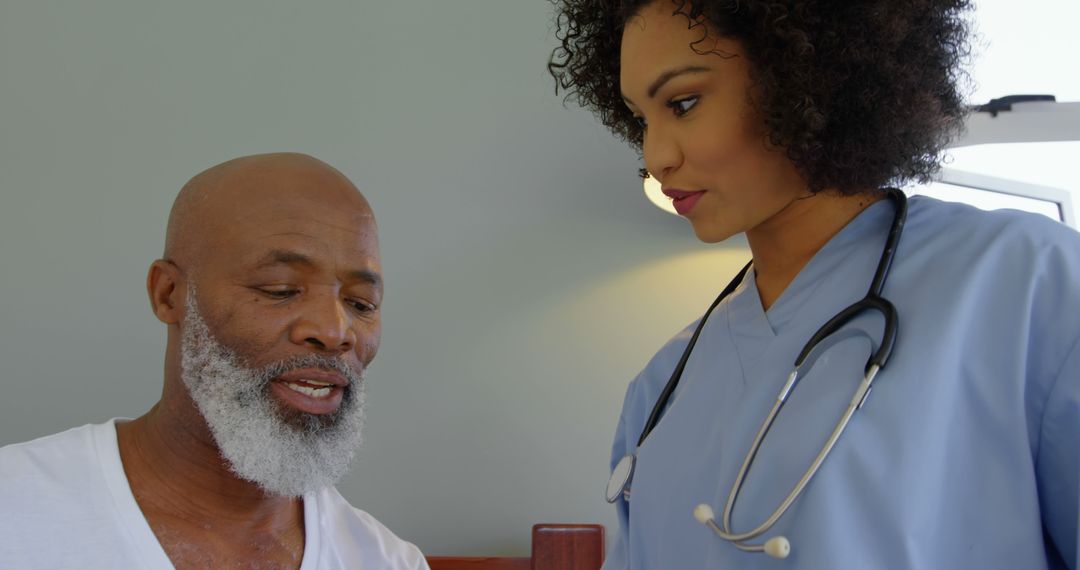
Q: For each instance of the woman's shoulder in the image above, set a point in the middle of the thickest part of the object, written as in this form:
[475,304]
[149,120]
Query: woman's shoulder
[1017,267]
[941,221]
[657,371]
[953,237]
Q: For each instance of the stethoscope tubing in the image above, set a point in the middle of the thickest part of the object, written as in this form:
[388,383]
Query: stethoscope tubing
[856,402]
[676,375]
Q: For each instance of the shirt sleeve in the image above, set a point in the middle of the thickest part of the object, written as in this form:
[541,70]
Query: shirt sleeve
[1058,463]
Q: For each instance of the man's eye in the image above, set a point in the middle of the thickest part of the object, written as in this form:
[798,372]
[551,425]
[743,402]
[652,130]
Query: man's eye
[362,306]
[682,106]
[279,293]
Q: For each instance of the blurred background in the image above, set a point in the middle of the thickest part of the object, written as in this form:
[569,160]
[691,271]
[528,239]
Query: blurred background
[528,278]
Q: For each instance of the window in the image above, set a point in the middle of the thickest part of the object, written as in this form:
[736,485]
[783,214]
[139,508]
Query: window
[990,193]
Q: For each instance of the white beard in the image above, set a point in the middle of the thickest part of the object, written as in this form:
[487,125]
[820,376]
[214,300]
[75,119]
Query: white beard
[283,458]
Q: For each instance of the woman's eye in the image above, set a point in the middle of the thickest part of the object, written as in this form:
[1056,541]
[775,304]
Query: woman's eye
[682,106]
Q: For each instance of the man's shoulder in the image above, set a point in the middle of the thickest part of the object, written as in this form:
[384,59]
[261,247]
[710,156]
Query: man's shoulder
[49,476]
[44,456]
[59,503]
[355,532]
[59,473]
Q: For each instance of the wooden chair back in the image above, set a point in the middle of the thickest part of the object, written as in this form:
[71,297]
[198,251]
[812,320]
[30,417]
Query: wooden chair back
[554,547]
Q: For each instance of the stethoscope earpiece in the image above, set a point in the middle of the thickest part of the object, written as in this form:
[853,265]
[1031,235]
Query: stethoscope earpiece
[777,546]
[704,514]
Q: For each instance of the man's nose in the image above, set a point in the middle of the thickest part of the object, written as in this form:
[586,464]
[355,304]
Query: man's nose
[325,324]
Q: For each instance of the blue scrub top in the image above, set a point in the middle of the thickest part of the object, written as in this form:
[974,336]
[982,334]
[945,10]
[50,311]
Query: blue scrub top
[967,452]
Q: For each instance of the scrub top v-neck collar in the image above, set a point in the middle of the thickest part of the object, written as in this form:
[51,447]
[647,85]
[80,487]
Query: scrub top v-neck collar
[748,320]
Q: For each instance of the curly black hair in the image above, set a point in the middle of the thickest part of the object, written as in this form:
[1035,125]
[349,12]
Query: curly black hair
[860,94]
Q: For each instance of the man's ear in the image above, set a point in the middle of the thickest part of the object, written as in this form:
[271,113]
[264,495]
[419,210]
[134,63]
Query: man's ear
[165,285]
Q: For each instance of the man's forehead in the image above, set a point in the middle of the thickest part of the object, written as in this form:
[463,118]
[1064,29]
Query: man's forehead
[363,267]
[322,236]
[235,208]
[316,241]
[302,216]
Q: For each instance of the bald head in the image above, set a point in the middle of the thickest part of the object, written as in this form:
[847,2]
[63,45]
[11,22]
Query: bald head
[238,194]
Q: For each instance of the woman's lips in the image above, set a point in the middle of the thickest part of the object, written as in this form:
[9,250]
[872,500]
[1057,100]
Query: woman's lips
[683,200]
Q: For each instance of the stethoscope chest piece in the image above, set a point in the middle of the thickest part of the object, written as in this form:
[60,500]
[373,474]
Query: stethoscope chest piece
[619,483]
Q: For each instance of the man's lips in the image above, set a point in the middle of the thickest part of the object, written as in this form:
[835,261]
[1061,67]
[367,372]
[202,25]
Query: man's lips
[313,376]
[683,200]
[313,391]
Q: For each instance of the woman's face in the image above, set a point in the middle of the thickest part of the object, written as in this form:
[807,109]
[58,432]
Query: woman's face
[702,141]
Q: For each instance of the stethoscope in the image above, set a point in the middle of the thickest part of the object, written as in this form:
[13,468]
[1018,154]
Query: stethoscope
[778,546]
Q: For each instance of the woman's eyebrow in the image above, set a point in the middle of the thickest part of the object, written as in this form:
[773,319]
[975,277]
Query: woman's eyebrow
[668,75]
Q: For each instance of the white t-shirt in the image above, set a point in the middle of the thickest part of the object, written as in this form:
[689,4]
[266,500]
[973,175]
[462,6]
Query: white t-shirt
[65,503]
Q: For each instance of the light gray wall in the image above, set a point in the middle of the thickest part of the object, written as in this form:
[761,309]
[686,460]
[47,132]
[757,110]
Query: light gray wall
[528,279]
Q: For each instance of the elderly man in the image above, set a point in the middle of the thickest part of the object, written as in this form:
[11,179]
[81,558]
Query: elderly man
[270,289]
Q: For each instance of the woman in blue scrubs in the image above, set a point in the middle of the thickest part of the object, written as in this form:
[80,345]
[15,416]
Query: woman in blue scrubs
[784,120]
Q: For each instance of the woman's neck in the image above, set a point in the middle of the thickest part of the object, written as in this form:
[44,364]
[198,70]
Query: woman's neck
[785,243]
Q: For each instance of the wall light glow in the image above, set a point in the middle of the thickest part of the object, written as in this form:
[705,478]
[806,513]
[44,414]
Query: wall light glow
[653,193]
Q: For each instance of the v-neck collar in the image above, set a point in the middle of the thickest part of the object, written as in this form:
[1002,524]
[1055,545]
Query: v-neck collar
[142,535]
[746,316]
